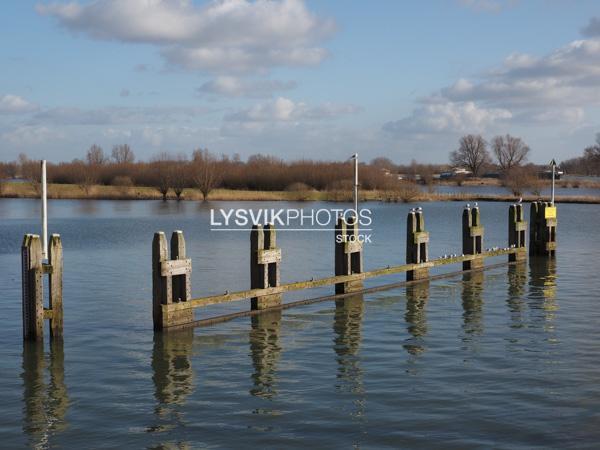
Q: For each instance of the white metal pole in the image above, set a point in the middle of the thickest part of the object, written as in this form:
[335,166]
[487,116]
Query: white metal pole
[553,173]
[44,213]
[356,185]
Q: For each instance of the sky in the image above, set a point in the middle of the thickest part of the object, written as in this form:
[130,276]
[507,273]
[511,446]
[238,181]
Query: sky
[319,79]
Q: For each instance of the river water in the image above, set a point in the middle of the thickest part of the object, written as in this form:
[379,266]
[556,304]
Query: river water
[509,357]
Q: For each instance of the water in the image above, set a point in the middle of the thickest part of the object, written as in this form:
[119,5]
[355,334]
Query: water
[504,358]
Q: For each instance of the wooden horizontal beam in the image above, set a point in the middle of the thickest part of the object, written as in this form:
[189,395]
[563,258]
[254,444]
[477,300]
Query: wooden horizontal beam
[269,256]
[175,267]
[299,285]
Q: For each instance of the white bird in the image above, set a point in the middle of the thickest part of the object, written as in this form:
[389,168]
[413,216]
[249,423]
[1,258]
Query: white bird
[520,199]
[468,205]
[419,209]
[476,205]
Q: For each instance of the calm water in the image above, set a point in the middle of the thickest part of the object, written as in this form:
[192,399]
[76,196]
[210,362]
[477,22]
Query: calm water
[505,358]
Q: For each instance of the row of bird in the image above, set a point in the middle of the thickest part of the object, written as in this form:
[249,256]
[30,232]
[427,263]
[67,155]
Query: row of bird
[492,249]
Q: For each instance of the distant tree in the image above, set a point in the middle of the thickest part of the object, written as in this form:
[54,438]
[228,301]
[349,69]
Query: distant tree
[383,163]
[510,152]
[206,171]
[95,156]
[122,154]
[521,179]
[162,173]
[472,153]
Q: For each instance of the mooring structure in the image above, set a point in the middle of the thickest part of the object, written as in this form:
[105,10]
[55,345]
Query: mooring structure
[266,290]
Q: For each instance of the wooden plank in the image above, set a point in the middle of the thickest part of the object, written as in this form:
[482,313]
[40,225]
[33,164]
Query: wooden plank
[176,267]
[521,226]
[55,256]
[421,237]
[352,246]
[299,285]
[476,231]
[269,256]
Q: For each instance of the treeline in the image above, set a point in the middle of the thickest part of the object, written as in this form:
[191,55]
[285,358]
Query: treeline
[206,171]
[588,163]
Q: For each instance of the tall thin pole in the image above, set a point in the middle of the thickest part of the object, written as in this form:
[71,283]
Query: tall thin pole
[553,174]
[356,185]
[44,212]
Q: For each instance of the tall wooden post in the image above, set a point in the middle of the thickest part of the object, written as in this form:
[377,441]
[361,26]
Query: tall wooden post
[348,254]
[542,235]
[265,259]
[55,258]
[517,227]
[417,244]
[171,280]
[32,279]
[472,237]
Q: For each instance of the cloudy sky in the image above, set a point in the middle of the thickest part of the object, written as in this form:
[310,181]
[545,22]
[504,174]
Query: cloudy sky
[318,79]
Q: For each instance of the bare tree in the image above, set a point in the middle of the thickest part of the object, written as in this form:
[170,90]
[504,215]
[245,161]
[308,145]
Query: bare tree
[95,156]
[510,152]
[472,153]
[206,173]
[162,173]
[122,154]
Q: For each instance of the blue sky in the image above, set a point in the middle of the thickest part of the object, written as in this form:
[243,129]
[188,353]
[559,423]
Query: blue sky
[293,78]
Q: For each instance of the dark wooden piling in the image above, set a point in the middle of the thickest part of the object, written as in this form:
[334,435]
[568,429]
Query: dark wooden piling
[33,269]
[542,234]
[472,237]
[32,278]
[348,254]
[517,228]
[417,244]
[265,259]
[171,280]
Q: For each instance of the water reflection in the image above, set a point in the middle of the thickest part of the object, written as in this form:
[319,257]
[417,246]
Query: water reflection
[265,350]
[417,296]
[173,375]
[87,207]
[472,302]
[44,395]
[347,328]
[347,325]
[517,278]
[542,291]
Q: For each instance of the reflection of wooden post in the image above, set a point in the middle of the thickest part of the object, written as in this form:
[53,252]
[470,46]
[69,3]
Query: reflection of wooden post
[472,237]
[265,350]
[417,296]
[517,227]
[472,301]
[417,242]
[171,280]
[542,235]
[265,259]
[32,273]
[348,254]
[173,375]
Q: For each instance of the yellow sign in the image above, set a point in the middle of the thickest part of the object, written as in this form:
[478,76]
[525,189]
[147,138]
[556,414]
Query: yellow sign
[550,212]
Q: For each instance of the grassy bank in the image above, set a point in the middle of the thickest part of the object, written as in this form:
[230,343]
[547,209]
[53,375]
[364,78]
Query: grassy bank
[101,192]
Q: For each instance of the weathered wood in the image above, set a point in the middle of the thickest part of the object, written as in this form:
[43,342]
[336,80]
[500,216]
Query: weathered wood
[348,254]
[299,285]
[417,244]
[517,227]
[265,259]
[162,293]
[32,282]
[176,268]
[472,237]
[542,235]
[55,257]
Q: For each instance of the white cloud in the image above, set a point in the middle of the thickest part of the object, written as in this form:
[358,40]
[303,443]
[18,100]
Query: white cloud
[221,36]
[21,136]
[13,104]
[238,87]
[447,117]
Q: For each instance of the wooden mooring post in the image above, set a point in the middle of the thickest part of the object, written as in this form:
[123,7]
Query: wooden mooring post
[472,237]
[348,254]
[33,269]
[417,244]
[171,280]
[265,259]
[542,234]
[517,228]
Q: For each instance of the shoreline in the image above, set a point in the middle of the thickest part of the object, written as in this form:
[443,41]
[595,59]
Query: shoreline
[101,192]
